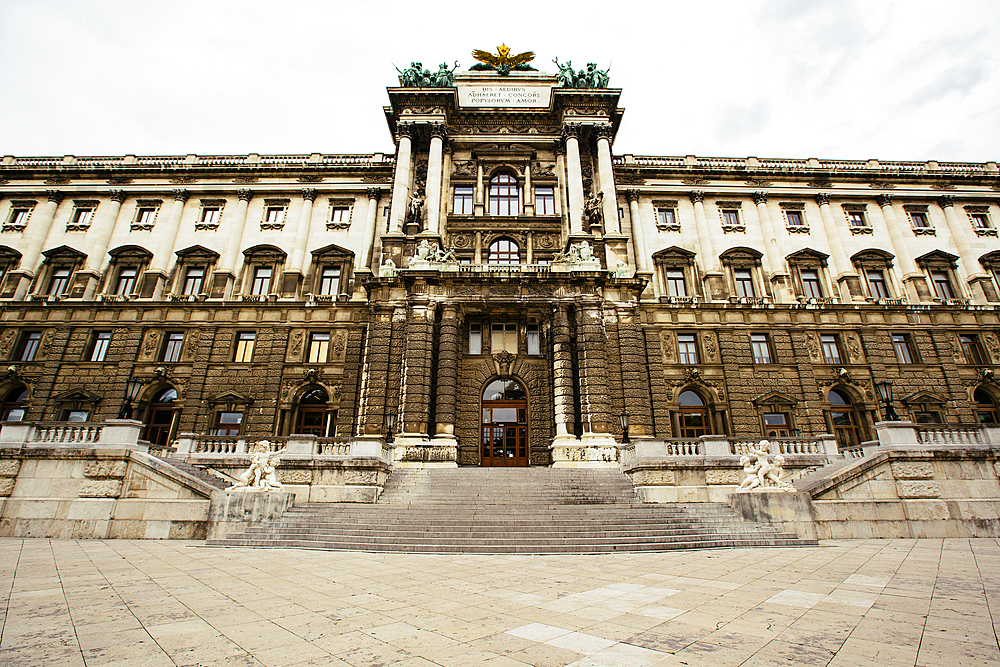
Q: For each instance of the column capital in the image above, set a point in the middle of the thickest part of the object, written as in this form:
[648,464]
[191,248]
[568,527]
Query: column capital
[375,193]
[54,195]
[405,130]
[604,131]
[696,196]
[632,195]
[245,194]
[760,198]
[884,200]
[822,198]
[439,130]
[181,194]
[571,131]
[118,196]
[558,148]
[309,194]
[946,201]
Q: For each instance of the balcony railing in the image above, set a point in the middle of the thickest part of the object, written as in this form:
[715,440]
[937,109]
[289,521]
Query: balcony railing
[957,434]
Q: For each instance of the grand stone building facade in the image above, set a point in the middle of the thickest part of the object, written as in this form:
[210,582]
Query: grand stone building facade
[504,285]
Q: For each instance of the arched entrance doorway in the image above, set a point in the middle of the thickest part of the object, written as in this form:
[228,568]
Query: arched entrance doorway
[693,415]
[505,424]
[312,413]
[844,419]
[160,421]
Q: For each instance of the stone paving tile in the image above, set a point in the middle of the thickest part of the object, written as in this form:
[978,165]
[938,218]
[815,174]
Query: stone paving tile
[146,603]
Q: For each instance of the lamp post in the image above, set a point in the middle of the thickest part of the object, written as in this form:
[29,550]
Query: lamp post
[884,391]
[132,388]
[390,423]
[623,420]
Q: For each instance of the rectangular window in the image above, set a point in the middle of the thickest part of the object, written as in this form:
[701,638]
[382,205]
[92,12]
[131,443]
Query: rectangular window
[665,217]
[59,281]
[211,215]
[731,218]
[172,346]
[876,284]
[144,216]
[973,352]
[794,218]
[340,215]
[675,283]
[126,280]
[475,339]
[545,201]
[83,216]
[776,425]
[463,201]
[99,348]
[319,347]
[857,219]
[244,347]
[228,423]
[75,415]
[744,283]
[261,280]
[942,286]
[18,217]
[29,345]
[980,221]
[831,348]
[760,344]
[274,216]
[194,279]
[810,284]
[533,339]
[919,220]
[504,338]
[687,348]
[904,349]
[329,280]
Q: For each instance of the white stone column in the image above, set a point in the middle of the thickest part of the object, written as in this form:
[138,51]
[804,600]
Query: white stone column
[960,234]
[773,251]
[303,227]
[371,222]
[706,244]
[527,200]
[834,237]
[238,225]
[38,230]
[480,195]
[574,177]
[898,237]
[433,188]
[607,174]
[401,181]
[638,241]
[101,232]
[167,234]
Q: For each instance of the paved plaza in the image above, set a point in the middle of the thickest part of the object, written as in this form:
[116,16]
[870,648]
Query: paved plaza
[145,603]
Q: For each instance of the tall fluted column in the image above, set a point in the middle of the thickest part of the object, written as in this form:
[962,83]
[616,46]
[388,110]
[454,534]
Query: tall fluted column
[101,232]
[912,277]
[638,241]
[706,244]
[155,277]
[433,188]
[562,365]
[773,252]
[401,181]
[574,177]
[447,372]
[371,222]
[224,278]
[606,170]
[302,230]
[17,282]
[959,232]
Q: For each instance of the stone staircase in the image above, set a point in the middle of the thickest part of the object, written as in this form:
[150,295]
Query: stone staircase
[196,471]
[510,510]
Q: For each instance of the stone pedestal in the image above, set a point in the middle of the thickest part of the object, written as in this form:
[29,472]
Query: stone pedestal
[591,451]
[420,452]
[231,511]
[790,511]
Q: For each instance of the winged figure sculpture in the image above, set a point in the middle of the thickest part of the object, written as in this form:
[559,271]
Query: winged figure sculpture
[503,62]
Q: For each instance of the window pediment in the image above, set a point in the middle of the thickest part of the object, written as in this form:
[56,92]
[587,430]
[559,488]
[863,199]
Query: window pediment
[808,256]
[9,256]
[774,398]
[197,253]
[265,253]
[741,257]
[873,257]
[332,252]
[673,256]
[938,258]
[230,397]
[925,397]
[64,253]
[130,254]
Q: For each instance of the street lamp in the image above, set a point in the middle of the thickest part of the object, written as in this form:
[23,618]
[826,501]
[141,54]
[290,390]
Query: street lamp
[623,420]
[884,391]
[390,423]
[132,388]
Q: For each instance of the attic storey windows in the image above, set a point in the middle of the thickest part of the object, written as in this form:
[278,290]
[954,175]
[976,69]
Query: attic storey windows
[340,213]
[274,214]
[857,220]
[980,218]
[145,214]
[666,216]
[82,216]
[17,219]
[795,217]
[210,215]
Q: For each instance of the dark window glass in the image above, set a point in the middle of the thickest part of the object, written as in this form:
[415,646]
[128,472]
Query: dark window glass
[59,282]
[172,346]
[102,340]
[14,407]
[970,347]
[919,220]
[876,284]
[126,280]
[986,409]
[980,221]
[904,351]
[687,348]
[29,345]
[261,280]
[665,217]
[731,218]
[942,286]
[794,218]
[194,278]
[744,283]
[857,219]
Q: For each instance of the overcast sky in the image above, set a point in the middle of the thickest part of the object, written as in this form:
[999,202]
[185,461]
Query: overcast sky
[908,80]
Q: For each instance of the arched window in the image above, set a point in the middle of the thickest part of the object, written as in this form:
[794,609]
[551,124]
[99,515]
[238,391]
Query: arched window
[844,419]
[693,415]
[986,408]
[160,420]
[504,195]
[504,251]
[14,404]
[313,417]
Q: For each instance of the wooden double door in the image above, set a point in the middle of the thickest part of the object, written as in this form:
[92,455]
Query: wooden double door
[505,433]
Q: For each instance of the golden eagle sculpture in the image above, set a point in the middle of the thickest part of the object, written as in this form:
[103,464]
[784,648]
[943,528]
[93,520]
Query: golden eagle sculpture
[503,62]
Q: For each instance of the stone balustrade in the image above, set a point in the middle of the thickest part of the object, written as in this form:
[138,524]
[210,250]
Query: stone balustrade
[124,432]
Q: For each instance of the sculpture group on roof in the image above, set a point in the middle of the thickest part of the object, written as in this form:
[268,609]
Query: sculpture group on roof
[591,77]
[416,76]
